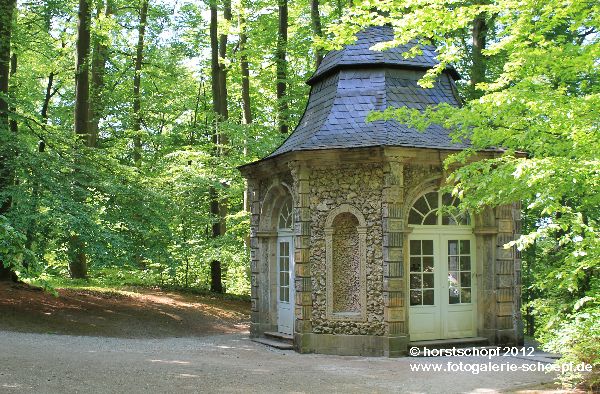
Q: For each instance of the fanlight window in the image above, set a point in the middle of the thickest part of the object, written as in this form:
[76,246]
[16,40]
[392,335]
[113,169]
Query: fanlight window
[286,218]
[426,211]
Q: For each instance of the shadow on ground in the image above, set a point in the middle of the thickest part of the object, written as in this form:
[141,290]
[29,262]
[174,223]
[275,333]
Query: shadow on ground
[138,313]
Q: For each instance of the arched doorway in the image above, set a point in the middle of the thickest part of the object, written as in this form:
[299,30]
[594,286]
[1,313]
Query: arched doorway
[441,265]
[285,268]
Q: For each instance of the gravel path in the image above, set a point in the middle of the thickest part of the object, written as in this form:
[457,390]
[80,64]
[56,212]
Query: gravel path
[43,363]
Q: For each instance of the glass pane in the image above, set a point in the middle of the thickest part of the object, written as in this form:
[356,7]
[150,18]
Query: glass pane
[427,264]
[465,296]
[421,206]
[453,296]
[428,247]
[282,276]
[415,281]
[432,198]
[282,294]
[465,247]
[453,247]
[447,199]
[282,248]
[431,219]
[465,219]
[414,217]
[427,297]
[448,220]
[415,264]
[285,215]
[465,279]
[415,297]
[415,248]
[453,263]
[452,280]
[428,281]
[465,263]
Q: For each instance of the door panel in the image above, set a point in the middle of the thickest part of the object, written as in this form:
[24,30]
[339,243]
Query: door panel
[442,293]
[285,285]
[424,294]
[459,311]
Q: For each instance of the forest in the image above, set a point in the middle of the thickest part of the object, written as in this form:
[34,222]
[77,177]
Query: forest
[122,125]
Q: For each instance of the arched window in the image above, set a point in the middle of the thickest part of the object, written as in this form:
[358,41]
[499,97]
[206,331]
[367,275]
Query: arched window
[286,217]
[426,211]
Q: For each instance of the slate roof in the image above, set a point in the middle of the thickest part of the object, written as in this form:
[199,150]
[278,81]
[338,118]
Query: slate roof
[352,82]
[358,54]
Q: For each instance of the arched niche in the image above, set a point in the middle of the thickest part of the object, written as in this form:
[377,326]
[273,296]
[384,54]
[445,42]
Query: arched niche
[346,255]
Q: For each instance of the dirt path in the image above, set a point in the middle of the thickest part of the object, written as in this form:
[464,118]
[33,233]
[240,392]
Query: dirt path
[42,363]
[161,342]
[139,313]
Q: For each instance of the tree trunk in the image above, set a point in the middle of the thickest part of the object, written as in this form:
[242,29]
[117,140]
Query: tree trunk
[47,97]
[245,70]
[478,68]
[223,110]
[6,18]
[14,127]
[282,105]
[219,92]
[315,18]
[99,59]
[246,103]
[137,80]
[78,263]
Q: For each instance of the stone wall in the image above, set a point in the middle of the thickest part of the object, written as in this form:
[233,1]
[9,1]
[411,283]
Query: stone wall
[360,186]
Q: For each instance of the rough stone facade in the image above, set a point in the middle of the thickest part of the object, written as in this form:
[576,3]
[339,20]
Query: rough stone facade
[350,298]
[360,186]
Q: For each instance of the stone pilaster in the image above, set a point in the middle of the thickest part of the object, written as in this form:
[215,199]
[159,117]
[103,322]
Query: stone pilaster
[508,276]
[393,261]
[254,205]
[303,311]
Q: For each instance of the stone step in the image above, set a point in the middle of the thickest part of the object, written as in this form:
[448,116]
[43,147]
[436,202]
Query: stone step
[279,336]
[274,343]
[458,343]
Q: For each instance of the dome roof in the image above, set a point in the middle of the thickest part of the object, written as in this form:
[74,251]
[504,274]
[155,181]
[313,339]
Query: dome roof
[354,81]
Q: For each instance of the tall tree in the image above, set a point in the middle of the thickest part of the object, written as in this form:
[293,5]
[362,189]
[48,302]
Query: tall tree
[218,207]
[244,67]
[280,58]
[78,263]
[6,18]
[137,82]
[223,110]
[479,33]
[99,60]
[315,18]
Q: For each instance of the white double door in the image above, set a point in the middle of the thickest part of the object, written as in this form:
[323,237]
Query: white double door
[441,286]
[285,284]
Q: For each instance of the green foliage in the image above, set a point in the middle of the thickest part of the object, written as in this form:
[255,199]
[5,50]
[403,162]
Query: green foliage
[146,225]
[12,246]
[541,106]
